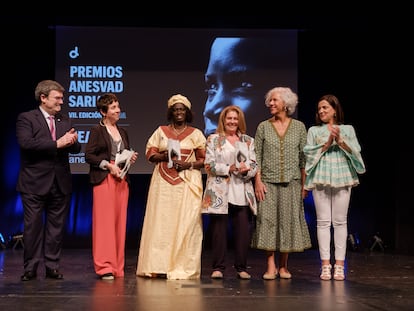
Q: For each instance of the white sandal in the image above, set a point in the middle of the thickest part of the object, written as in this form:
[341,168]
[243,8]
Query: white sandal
[326,273]
[339,273]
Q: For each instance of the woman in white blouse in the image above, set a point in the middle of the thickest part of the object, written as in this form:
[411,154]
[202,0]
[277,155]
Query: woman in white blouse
[230,164]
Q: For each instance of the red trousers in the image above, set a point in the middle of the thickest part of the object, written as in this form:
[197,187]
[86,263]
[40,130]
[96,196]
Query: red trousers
[109,217]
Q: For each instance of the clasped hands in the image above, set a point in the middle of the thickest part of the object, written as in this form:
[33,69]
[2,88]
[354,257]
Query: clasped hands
[180,165]
[335,134]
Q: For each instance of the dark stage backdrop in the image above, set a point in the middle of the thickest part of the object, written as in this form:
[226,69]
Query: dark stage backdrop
[146,66]
[339,58]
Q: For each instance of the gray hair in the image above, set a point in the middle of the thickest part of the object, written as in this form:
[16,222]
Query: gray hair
[288,96]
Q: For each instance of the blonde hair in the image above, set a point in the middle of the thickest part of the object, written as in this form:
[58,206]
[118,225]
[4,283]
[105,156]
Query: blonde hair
[242,121]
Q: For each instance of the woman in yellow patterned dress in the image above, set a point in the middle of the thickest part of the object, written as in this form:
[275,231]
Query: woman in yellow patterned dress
[172,232]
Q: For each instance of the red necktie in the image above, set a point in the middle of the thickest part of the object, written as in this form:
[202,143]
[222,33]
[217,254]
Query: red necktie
[52,126]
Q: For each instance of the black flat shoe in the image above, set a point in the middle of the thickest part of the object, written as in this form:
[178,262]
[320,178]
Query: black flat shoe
[28,275]
[53,274]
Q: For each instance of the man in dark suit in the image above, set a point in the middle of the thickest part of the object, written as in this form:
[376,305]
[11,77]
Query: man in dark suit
[45,180]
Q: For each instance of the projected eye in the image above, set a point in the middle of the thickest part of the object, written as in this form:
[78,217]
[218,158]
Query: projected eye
[246,85]
[211,89]
[241,87]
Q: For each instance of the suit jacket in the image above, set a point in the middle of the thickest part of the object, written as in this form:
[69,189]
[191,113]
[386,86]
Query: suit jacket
[40,160]
[98,148]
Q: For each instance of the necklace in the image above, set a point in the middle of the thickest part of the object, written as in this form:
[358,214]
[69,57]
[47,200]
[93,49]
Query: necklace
[178,132]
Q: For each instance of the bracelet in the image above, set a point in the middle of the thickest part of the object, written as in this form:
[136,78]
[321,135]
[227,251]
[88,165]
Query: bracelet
[192,166]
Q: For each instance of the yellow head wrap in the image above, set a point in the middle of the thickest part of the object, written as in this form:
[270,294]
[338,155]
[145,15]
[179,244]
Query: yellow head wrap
[178,98]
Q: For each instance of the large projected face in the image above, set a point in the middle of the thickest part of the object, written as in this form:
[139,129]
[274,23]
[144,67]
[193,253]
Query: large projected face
[145,66]
[237,75]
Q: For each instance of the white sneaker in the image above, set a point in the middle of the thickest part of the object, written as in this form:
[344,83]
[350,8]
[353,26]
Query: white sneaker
[326,273]
[107,277]
[339,273]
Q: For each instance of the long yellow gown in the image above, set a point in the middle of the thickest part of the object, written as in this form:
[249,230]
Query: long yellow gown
[172,232]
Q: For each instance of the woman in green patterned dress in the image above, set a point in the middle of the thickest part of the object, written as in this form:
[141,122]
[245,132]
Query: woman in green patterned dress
[280,222]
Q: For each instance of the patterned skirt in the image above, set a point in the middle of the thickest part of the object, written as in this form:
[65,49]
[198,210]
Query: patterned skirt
[280,222]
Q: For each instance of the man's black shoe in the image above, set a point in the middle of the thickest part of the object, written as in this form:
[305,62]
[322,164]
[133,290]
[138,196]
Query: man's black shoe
[53,274]
[28,275]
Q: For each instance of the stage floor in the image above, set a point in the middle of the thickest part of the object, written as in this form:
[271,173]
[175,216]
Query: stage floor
[375,281]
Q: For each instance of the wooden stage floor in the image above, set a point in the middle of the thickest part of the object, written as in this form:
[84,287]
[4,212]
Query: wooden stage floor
[375,281]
